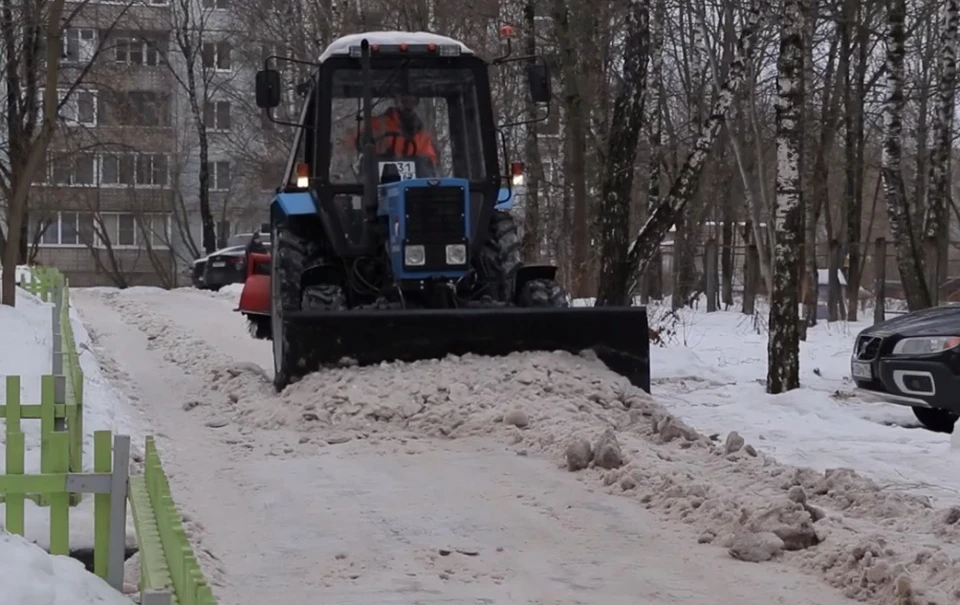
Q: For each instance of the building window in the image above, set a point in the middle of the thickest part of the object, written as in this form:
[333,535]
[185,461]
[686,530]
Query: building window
[152,169]
[157,226]
[271,175]
[79,45]
[136,50]
[219,5]
[219,175]
[223,233]
[77,170]
[125,230]
[138,108]
[77,109]
[67,229]
[216,115]
[128,169]
[216,55]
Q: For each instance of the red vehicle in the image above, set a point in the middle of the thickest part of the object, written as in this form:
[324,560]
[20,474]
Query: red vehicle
[255,297]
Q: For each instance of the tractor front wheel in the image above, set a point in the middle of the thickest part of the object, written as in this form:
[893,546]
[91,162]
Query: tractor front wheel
[500,257]
[291,254]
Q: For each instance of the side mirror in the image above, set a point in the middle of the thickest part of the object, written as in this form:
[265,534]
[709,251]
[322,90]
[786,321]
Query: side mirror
[268,88]
[538,76]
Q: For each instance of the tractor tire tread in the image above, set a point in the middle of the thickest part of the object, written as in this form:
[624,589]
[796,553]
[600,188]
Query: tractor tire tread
[501,255]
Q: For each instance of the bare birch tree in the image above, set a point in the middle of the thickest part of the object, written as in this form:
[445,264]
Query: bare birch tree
[783,351]
[647,242]
[909,259]
[621,159]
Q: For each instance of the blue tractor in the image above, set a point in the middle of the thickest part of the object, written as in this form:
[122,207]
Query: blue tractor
[381,251]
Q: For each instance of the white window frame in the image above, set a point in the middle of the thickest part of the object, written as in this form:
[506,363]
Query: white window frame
[126,41]
[90,46]
[57,223]
[214,125]
[213,173]
[138,242]
[135,157]
[68,113]
[51,163]
[216,56]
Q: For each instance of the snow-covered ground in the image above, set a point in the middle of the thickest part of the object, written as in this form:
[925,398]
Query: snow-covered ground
[443,479]
[30,576]
[26,571]
[27,351]
[712,374]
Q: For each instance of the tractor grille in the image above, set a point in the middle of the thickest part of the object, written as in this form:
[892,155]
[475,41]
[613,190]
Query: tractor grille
[435,215]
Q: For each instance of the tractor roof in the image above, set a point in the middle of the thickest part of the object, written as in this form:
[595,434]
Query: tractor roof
[341,46]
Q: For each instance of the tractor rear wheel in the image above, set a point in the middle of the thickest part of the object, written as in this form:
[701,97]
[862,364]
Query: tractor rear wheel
[543,293]
[500,257]
[291,253]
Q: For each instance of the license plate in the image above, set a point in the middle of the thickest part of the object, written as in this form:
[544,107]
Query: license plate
[861,370]
[407,169]
[218,264]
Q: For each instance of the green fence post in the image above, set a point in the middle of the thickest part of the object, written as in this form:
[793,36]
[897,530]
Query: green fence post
[59,462]
[102,442]
[15,446]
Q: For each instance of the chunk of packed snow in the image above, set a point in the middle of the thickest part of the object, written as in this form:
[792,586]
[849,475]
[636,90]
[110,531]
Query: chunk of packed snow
[30,576]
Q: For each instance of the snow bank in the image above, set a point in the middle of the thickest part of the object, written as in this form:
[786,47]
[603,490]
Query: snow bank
[30,576]
[27,341]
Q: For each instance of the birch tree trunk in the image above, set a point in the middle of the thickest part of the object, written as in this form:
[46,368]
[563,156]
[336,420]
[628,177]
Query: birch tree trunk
[530,244]
[621,159]
[909,259]
[647,242]
[654,94]
[936,221]
[783,351]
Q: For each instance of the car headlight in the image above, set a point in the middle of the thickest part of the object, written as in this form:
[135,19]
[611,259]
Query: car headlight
[456,254]
[414,256]
[924,345]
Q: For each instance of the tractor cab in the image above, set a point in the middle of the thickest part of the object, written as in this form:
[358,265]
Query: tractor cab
[427,98]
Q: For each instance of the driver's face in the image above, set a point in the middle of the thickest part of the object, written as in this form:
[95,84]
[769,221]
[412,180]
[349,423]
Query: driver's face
[407,103]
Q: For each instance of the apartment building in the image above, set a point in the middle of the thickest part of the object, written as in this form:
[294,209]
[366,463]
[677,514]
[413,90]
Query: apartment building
[118,200]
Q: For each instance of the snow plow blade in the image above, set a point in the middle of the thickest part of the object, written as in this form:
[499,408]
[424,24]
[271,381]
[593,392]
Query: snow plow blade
[618,335]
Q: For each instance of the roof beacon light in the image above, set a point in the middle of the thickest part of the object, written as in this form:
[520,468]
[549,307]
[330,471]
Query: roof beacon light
[449,50]
[507,32]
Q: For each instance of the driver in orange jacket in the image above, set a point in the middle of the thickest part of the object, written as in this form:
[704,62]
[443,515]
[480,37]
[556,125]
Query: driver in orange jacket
[398,133]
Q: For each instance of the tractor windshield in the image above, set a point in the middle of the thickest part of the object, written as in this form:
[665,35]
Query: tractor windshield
[426,123]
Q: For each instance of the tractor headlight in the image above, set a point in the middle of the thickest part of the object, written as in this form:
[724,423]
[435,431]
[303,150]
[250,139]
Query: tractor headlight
[925,345]
[456,254]
[414,256]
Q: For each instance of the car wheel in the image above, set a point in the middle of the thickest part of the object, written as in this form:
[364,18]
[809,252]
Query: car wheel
[938,421]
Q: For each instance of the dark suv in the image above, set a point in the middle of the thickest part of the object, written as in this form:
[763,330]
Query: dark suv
[913,360]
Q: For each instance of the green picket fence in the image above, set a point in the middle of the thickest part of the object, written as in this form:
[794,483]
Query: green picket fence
[166,559]
[170,573]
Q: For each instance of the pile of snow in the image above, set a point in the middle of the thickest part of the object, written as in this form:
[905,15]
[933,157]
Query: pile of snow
[30,576]
[27,351]
[876,542]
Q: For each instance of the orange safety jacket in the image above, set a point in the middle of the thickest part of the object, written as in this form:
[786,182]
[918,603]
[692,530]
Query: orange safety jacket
[392,140]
